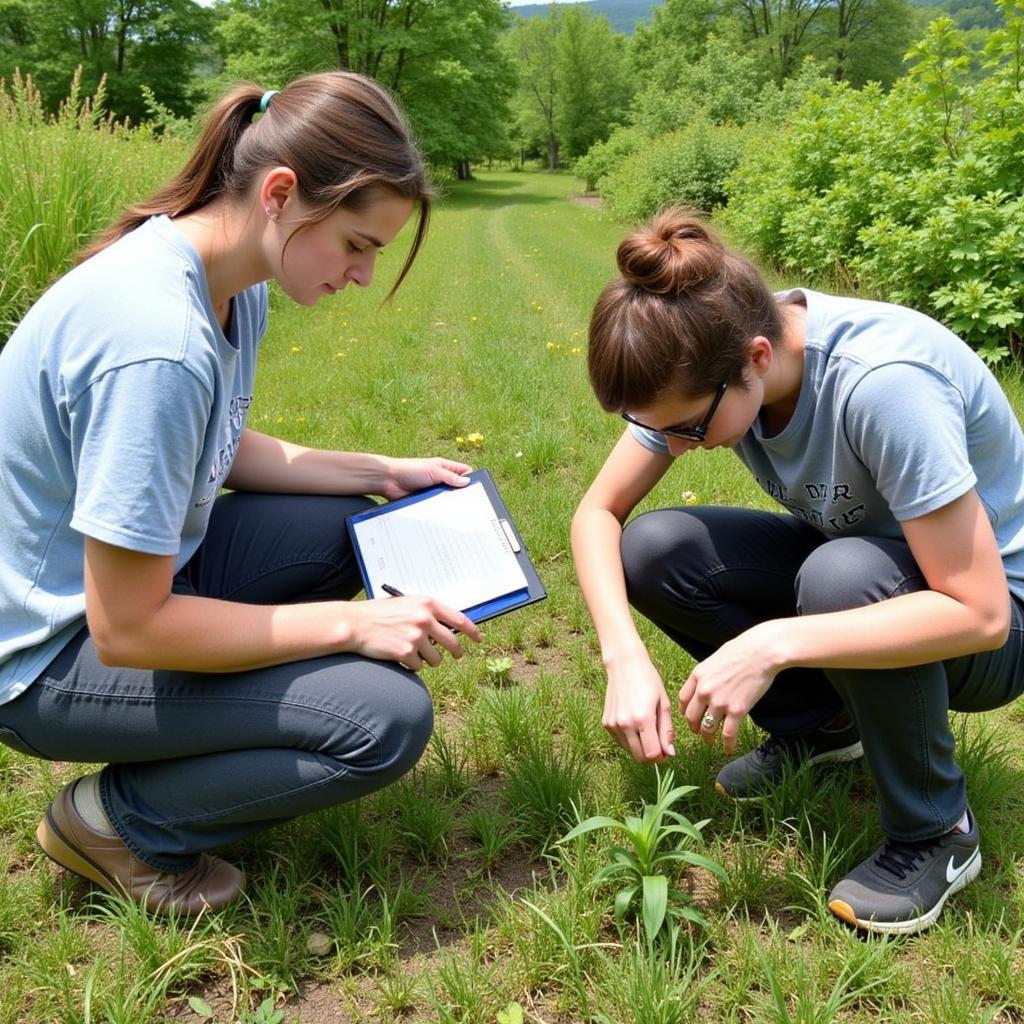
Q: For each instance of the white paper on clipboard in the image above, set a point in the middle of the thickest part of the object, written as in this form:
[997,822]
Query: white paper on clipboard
[451,545]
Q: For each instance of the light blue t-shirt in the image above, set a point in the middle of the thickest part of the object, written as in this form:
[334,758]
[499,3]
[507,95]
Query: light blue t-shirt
[122,407]
[896,418]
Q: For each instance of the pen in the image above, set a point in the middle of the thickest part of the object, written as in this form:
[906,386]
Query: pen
[393,591]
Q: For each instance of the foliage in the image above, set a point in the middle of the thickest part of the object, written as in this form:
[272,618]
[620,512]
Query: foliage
[158,44]
[62,178]
[498,669]
[656,839]
[441,59]
[725,84]
[915,192]
[690,166]
[573,85]
[603,157]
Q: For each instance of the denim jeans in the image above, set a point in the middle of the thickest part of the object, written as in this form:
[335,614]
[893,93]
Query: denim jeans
[197,760]
[704,575]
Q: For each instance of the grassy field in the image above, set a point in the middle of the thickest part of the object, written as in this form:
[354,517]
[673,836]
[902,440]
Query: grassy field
[446,897]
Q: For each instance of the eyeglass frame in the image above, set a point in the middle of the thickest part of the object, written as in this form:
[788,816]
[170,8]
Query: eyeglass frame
[697,433]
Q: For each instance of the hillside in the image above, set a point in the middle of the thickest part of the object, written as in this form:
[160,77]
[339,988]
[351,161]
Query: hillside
[623,14]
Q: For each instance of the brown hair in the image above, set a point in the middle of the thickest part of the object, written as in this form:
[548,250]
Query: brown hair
[341,133]
[679,317]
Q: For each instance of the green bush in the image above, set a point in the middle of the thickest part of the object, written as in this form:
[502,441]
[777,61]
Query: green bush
[604,157]
[914,195]
[688,167]
[62,179]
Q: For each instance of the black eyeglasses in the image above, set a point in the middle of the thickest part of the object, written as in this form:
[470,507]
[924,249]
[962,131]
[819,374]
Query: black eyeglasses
[697,433]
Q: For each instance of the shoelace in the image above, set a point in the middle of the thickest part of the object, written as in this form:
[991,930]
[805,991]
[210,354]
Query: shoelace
[898,858]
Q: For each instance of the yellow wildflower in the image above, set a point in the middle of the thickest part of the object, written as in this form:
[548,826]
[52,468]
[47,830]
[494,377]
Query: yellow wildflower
[296,348]
[689,498]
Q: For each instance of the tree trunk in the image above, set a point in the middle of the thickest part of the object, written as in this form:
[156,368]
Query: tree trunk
[552,153]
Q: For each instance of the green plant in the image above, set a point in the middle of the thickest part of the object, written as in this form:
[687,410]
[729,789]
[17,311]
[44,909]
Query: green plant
[544,784]
[656,840]
[498,669]
[489,825]
[265,1013]
[451,764]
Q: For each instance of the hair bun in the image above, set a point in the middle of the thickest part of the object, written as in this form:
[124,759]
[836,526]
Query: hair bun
[672,253]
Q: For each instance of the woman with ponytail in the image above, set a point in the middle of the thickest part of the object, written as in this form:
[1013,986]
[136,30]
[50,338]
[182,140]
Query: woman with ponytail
[888,590]
[206,644]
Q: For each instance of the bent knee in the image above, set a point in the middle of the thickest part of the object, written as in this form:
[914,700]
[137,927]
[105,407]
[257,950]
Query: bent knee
[407,726]
[850,572]
[652,543]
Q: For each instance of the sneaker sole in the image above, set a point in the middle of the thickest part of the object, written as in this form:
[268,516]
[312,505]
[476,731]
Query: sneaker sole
[57,847]
[839,756]
[845,912]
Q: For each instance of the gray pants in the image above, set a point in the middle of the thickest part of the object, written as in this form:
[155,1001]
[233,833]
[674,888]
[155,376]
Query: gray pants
[199,760]
[704,575]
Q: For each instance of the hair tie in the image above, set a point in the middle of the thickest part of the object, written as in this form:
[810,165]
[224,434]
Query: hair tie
[266,98]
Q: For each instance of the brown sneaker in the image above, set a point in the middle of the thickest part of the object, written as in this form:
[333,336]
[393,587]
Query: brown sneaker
[68,841]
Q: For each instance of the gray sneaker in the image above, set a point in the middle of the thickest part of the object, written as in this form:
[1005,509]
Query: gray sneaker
[752,775]
[903,887]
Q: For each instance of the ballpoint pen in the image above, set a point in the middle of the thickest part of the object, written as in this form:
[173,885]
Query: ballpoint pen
[393,591]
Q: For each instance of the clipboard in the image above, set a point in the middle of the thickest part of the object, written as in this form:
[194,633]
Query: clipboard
[504,540]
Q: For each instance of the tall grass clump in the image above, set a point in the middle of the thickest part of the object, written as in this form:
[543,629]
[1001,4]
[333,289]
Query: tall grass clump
[63,176]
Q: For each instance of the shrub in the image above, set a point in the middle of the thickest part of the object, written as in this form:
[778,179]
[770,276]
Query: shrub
[603,158]
[689,167]
[915,194]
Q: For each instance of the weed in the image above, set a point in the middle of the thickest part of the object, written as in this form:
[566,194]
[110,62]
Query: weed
[656,847]
[498,670]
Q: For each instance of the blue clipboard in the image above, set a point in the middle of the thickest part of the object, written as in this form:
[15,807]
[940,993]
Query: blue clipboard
[500,603]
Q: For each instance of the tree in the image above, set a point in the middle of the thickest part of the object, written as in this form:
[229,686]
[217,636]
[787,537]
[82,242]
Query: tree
[781,26]
[863,41]
[440,57]
[677,35]
[591,78]
[573,80]
[533,45]
[132,42]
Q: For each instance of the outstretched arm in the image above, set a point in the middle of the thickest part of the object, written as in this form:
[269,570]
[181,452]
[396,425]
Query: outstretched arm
[265,463]
[637,711]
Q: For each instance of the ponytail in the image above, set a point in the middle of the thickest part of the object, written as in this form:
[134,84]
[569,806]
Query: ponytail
[341,133]
[205,175]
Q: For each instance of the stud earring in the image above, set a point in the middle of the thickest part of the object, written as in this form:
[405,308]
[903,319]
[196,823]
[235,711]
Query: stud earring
[271,214]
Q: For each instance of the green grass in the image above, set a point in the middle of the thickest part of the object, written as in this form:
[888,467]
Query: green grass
[443,898]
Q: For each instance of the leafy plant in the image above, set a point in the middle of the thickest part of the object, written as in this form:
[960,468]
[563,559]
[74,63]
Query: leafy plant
[498,670]
[656,840]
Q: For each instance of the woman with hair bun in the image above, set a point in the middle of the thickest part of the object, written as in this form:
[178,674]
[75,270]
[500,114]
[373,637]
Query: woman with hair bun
[206,644]
[888,590]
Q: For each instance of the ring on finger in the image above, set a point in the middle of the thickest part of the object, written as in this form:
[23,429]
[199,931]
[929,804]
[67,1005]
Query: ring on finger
[709,722]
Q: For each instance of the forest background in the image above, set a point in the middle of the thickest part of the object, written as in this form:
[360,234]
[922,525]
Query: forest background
[874,141]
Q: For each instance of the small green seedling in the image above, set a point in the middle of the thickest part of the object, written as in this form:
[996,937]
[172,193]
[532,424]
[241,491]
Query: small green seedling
[498,670]
[512,1014]
[656,841]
